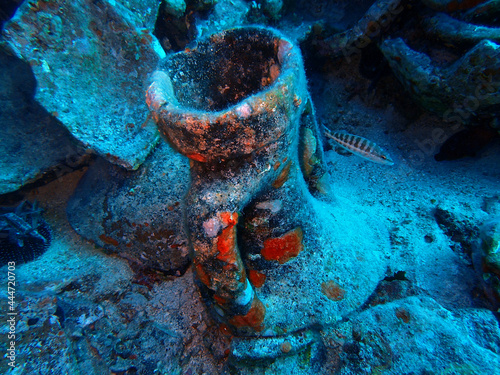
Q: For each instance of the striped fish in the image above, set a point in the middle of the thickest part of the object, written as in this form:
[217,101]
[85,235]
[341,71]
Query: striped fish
[361,147]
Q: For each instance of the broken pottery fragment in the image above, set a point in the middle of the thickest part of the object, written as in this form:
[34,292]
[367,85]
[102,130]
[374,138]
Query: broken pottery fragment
[470,84]
[238,107]
[485,11]
[134,213]
[91,60]
[452,30]
[450,6]
[368,28]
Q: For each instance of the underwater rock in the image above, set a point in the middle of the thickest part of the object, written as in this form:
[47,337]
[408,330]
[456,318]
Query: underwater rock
[103,321]
[391,288]
[136,214]
[225,14]
[484,12]
[467,87]
[487,259]
[33,144]
[237,106]
[459,228]
[91,61]
[178,22]
[416,335]
[272,8]
[175,8]
[24,235]
[140,14]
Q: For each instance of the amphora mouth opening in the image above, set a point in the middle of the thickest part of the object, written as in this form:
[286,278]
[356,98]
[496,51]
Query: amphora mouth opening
[225,69]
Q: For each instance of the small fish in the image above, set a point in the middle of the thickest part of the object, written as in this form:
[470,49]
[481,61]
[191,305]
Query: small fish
[361,147]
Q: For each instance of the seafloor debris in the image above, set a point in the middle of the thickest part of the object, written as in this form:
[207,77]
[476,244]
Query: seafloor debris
[176,8]
[487,12]
[463,88]
[454,75]
[24,235]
